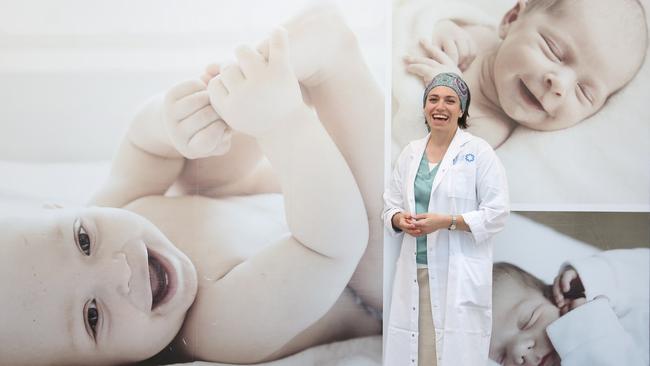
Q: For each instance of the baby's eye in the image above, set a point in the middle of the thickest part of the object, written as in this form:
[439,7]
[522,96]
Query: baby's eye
[553,49]
[83,239]
[92,317]
[585,93]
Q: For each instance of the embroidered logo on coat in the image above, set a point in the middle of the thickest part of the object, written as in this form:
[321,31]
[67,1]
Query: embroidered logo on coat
[469,158]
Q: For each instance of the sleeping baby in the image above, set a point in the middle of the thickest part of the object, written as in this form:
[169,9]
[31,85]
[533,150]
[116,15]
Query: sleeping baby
[595,313]
[550,64]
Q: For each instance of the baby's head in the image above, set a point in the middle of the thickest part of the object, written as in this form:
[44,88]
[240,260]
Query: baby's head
[521,312]
[560,60]
[91,286]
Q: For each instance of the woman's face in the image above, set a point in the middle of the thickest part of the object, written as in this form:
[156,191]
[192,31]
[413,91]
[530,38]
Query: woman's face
[94,286]
[442,109]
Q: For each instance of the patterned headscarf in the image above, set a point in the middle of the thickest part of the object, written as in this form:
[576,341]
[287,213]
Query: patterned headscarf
[452,81]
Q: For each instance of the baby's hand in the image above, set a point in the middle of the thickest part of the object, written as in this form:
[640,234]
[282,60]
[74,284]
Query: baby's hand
[435,62]
[257,95]
[568,291]
[211,71]
[456,42]
[193,126]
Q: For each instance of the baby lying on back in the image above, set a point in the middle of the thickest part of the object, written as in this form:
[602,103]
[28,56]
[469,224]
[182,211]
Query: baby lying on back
[550,65]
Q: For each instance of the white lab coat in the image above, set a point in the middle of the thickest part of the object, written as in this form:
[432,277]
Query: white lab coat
[470,181]
[612,330]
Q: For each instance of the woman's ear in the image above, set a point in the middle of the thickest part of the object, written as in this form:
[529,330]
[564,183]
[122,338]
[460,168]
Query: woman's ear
[510,17]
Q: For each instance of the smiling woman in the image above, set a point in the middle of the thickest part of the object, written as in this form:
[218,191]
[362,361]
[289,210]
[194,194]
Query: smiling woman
[76,284]
[447,197]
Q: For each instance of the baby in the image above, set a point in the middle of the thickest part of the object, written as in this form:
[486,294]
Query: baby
[200,253]
[550,65]
[595,313]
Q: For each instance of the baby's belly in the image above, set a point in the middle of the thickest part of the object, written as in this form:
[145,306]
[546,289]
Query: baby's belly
[217,234]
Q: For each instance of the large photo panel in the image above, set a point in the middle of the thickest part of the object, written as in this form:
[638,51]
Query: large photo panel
[192,181]
[558,94]
[562,277]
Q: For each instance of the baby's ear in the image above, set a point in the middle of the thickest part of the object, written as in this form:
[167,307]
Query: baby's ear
[510,16]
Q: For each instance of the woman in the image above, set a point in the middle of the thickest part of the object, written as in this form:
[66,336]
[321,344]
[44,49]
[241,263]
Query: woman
[448,196]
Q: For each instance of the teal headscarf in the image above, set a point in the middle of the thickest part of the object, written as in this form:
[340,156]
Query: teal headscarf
[452,81]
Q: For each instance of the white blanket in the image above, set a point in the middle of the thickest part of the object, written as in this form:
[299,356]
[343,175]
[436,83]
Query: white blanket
[599,164]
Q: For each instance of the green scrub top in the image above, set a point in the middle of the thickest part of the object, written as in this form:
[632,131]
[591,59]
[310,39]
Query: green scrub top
[423,185]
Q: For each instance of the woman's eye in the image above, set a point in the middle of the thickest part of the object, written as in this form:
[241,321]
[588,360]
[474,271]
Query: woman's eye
[92,317]
[83,240]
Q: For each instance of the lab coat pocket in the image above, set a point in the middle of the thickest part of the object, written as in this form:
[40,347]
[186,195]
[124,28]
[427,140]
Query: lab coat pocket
[461,182]
[470,248]
[475,282]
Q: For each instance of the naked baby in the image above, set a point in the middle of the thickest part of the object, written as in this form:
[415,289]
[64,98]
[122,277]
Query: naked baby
[549,65]
[189,248]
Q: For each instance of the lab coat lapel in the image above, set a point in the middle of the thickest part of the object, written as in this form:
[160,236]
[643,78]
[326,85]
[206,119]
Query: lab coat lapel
[460,138]
[414,164]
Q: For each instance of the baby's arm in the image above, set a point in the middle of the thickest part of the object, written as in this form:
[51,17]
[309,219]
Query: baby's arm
[168,130]
[606,286]
[292,283]
[593,335]
[621,276]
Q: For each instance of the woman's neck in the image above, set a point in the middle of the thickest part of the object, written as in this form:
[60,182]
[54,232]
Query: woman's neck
[437,145]
[441,139]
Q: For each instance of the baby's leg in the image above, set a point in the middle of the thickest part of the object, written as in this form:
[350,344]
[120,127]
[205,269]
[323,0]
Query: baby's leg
[328,62]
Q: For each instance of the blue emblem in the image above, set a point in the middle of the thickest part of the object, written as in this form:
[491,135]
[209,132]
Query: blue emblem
[469,157]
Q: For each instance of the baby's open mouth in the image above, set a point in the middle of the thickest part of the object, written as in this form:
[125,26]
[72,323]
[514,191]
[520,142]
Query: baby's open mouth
[530,97]
[159,279]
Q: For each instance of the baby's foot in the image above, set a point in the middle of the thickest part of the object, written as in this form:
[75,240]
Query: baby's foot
[319,40]
[256,95]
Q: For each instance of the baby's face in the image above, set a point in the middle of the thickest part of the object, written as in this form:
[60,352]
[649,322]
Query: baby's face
[520,317]
[553,70]
[94,286]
